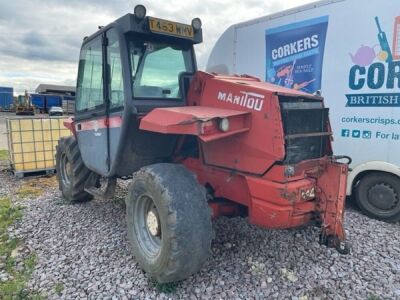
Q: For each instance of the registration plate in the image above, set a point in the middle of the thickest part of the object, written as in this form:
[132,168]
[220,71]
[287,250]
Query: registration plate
[170,28]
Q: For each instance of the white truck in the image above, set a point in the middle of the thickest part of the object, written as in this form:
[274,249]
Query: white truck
[349,50]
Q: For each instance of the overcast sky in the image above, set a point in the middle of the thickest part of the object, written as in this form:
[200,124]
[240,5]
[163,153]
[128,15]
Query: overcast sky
[40,39]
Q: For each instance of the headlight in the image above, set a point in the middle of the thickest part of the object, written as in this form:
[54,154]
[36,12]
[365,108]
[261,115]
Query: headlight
[224,124]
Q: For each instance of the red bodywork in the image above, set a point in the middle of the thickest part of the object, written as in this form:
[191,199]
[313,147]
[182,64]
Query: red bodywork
[240,163]
[69,123]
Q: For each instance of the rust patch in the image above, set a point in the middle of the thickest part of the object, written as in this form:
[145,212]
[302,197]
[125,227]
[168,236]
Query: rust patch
[193,120]
[291,197]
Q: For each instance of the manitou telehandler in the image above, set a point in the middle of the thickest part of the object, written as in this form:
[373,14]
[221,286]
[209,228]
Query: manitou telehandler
[198,145]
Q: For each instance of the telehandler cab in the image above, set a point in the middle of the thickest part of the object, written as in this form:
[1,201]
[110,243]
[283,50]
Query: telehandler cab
[198,145]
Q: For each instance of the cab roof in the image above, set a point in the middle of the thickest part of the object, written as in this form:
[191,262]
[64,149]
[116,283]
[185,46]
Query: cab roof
[129,23]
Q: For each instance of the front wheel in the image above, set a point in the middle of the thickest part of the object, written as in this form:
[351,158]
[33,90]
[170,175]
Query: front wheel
[71,171]
[169,222]
[378,196]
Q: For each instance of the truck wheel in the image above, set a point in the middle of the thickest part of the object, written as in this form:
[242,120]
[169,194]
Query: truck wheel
[169,222]
[378,196]
[71,172]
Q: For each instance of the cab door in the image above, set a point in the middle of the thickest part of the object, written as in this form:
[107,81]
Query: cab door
[90,106]
[115,96]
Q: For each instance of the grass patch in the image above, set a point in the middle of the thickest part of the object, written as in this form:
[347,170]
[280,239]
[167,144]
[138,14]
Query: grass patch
[47,181]
[8,214]
[58,288]
[26,191]
[14,287]
[35,187]
[30,188]
[4,155]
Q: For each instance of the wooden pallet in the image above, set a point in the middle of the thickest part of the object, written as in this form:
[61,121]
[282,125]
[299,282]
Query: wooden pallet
[27,173]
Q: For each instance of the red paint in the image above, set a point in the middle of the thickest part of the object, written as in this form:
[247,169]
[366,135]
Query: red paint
[223,209]
[115,122]
[69,123]
[100,123]
[278,203]
[240,163]
[196,120]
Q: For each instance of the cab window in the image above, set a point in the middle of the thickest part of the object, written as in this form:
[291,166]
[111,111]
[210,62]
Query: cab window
[90,77]
[115,66]
[156,68]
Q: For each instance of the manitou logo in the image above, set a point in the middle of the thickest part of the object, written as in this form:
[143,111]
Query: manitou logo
[246,99]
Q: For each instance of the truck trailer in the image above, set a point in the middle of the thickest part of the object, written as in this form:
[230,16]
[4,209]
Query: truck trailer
[39,102]
[349,51]
[44,102]
[6,98]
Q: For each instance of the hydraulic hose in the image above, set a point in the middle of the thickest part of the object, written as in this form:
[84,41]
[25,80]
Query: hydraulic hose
[339,157]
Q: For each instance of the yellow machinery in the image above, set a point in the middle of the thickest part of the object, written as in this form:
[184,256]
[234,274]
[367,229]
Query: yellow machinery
[24,105]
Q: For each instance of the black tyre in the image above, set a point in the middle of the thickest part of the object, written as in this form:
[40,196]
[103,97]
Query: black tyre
[169,222]
[71,171]
[378,196]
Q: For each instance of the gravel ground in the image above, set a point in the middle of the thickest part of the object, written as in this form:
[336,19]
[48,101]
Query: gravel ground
[83,248]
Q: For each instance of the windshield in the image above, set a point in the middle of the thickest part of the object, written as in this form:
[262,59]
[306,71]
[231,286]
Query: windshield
[156,68]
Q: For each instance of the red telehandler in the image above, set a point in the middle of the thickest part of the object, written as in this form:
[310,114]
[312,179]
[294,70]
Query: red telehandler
[198,145]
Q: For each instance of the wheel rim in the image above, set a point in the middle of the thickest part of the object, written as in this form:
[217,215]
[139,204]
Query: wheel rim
[65,170]
[383,197]
[147,226]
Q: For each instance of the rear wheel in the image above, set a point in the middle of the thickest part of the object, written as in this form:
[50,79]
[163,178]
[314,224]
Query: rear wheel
[71,171]
[169,222]
[378,196]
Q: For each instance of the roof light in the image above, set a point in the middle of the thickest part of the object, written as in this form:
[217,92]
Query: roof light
[196,23]
[140,11]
